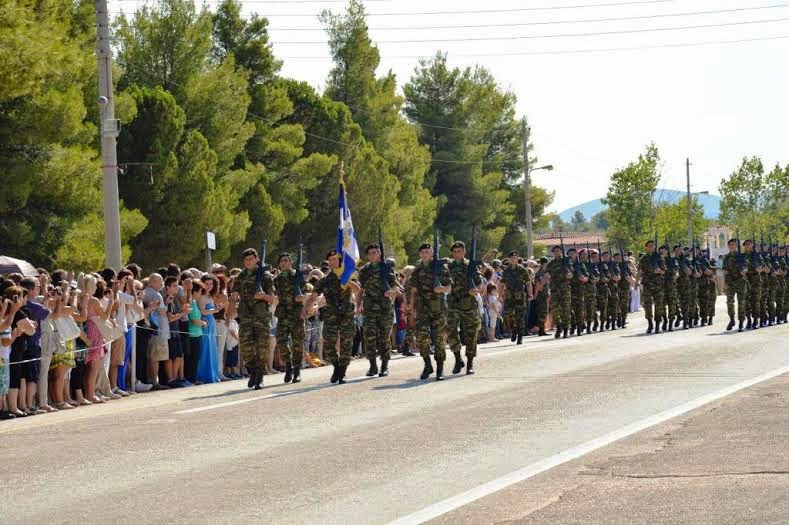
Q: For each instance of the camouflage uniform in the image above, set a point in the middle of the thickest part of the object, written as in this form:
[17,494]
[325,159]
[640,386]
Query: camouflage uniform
[337,319]
[431,309]
[561,299]
[652,295]
[540,302]
[711,290]
[602,291]
[735,284]
[578,292]
[590,293]
[613,293]
[754,306]
[782,296]
[624,289]
[290,325]
[772,289]
[515,279]
[463,318]
[670,289]
[254,318]
[378,310]
[683,287]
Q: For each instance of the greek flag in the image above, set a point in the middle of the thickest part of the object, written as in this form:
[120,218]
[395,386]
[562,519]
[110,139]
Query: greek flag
[346,237]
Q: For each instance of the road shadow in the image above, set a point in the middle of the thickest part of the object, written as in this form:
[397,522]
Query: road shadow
[270,387]
[414,383]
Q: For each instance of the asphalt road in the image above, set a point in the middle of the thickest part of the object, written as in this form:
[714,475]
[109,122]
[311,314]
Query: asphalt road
[373,450]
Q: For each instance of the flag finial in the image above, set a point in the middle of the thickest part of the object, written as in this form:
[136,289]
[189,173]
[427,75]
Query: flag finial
[342,172]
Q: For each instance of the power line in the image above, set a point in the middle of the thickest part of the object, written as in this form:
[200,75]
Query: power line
[561,35]
[550,22]
[472,11]
[574,51]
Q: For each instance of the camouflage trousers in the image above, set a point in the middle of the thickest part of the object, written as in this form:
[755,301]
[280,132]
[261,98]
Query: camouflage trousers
[740,288]
[613,300]
[772,290]
[338,326]
[290,337]
[253,334]
[690,303]
[671,299]
[705,291]
[463,329]
[602,301]
[652,295]
[561,301]
[515,313]
[624,299]
[780,297]
[578,303]
[754,304]
[432,319]
[590,302]
[378,333]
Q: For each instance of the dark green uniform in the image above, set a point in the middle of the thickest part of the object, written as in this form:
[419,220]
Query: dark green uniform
[337,319]
[463,318]
[650,266]
[540,302]
[577,289]
[754,305]
[516,279]
[561,299]
[254,318]
[604,279]
[290,325]
[431,309]
[615,273]
[624,289]
[670,291]
[590,293]
[378,310]
[736,284]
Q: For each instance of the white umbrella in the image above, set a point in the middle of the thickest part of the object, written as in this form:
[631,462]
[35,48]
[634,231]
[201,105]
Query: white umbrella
[11,265]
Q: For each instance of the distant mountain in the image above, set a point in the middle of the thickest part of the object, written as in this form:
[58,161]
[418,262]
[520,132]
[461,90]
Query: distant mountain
[711,204]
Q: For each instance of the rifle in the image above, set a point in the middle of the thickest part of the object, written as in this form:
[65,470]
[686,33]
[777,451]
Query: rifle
[436,260]
[623,265]
[262,267]
[565,262]
[471,270]
[298,279]
[384,266]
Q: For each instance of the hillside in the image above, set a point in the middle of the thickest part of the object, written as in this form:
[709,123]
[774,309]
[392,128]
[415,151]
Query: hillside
[711,204]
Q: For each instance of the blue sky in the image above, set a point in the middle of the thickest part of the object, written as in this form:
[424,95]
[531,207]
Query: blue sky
[593,112]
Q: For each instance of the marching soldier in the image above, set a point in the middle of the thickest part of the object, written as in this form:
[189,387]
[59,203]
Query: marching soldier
[290,323]
[463,318]
[338,322]
[735,271]
[604,278]
[651,272]
[427,300]
[559,271]
[615,276]
[623,291]
[589,290]
[255,289]
[669,289]
[754,305]
[379,288]
[517,290]
[577,289]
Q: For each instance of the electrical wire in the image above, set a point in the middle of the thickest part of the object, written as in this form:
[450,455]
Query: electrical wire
[551,22]
[557,35]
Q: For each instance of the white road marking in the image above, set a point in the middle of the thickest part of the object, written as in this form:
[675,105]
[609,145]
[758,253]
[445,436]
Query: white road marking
[231,403]
[486,489]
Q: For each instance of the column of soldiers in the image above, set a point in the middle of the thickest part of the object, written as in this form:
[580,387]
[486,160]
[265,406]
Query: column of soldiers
[756,277]
[589,292]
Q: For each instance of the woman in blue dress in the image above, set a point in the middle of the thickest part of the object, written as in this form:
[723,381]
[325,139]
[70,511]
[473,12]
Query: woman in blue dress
[207,366]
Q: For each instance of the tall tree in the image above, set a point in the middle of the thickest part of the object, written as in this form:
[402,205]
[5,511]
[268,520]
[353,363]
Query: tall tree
[629,199]
[671,221]
[753,200]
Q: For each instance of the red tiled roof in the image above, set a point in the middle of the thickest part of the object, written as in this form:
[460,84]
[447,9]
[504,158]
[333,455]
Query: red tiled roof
[571,238]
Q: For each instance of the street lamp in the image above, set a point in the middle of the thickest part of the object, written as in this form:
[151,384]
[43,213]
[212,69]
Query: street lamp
[527,188]
[690,208]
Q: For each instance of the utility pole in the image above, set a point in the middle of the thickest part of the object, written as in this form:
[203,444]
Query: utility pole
[527,190]
[690,221]
[109,128]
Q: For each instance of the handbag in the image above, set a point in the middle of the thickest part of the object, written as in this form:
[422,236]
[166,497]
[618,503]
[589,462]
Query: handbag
[109,328]
[67,328]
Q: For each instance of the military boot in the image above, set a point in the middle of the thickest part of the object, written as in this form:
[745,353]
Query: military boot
[748,326]
[671,324]
[596,325]
[439,370]
[564,335]
[709,321]
[542,331]
[341,375]
[470,365]
[296,374]
[558,333]
[427,370]
[459,364]
[258,379]
[665,323]
[657,325]
[589,327]
[579,330]
[384,368]
[703,321]
[677,321]
[650,326]
[252,376]
[288,373]
[373,371]
[731,324]
[335,376]
[739,328]
[520,339]
[514,334]
[572,329]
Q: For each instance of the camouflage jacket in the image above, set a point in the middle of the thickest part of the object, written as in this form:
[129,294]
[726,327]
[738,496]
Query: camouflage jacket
[460,298]
[339,299]
[286,292]
[515,279]
[422,280]
[371,281]
[247,287]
